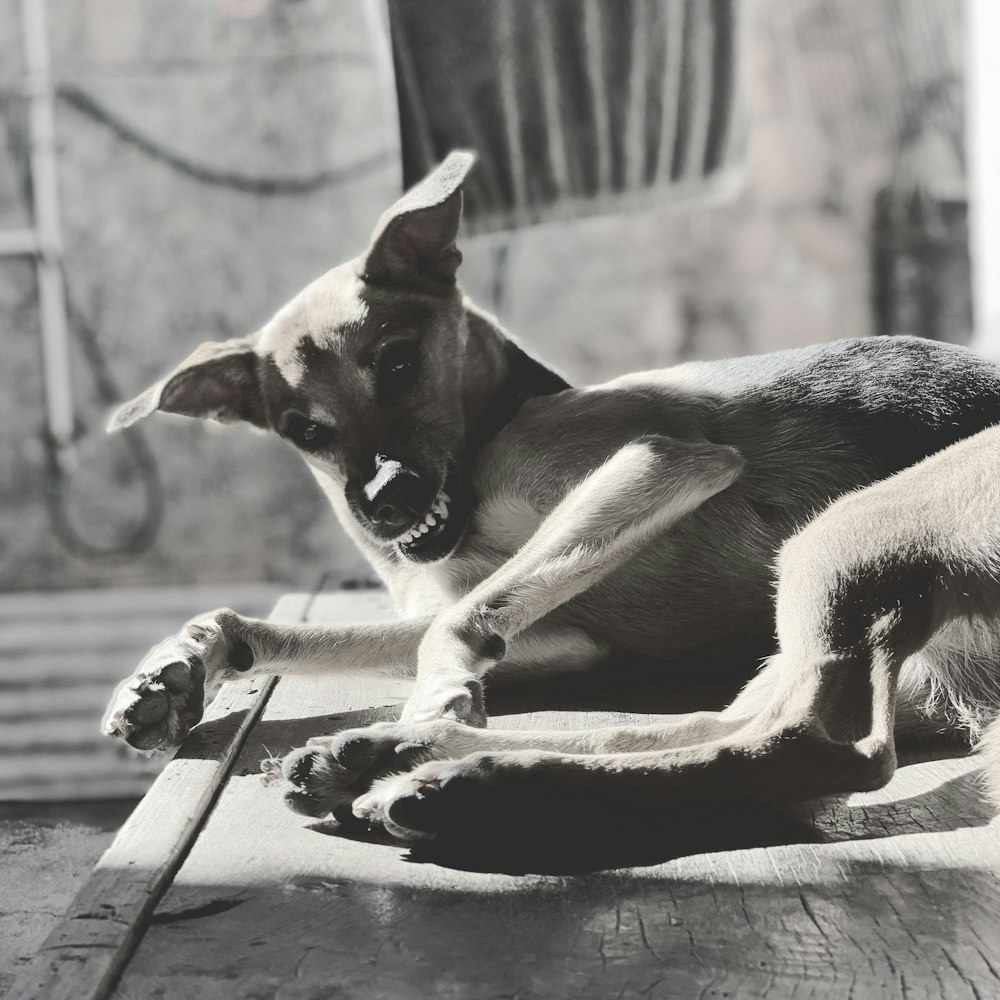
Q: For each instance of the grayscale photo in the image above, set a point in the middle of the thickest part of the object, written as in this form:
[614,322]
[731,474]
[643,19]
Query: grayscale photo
[500,499]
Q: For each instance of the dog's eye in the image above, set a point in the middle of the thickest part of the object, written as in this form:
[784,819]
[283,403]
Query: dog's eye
[397,368]
[308,434]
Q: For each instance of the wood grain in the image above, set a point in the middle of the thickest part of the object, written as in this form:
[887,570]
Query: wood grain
[84,955]
[271,905]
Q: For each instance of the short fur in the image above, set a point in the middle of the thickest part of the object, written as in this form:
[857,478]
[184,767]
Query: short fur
[525,526]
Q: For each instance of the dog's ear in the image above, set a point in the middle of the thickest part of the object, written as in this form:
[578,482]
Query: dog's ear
[218,380]
[414,242]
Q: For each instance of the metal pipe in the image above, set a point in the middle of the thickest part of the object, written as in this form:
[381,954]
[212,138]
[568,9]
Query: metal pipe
[45,186]
[380,46]
[18,243]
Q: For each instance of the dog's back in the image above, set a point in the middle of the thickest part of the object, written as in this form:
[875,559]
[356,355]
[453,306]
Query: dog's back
[895,399]
[812,424]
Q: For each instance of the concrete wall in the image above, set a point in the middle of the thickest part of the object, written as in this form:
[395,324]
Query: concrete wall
[158,261]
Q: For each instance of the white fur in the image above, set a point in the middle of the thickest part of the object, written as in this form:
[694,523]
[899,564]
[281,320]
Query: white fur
[320,311]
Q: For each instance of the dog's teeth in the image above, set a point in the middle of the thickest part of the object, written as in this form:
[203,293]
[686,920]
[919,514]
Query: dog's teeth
[429,520]
[407,538]
[444,496]
[443,512]
[423,529]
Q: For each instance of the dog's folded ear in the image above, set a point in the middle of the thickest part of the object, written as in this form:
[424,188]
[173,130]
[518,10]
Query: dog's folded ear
[413,245]
[218,380]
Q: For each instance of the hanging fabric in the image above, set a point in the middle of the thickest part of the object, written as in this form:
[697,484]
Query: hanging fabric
[575,107]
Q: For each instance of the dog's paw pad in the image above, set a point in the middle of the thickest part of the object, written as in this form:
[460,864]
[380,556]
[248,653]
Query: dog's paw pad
[313,782]
[410,806]
[157,707]
[330,772]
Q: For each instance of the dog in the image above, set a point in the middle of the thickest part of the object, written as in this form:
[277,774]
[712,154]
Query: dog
[524,527]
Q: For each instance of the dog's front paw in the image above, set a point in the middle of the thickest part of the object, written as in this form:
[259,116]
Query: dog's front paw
[446,696]
[158,705]
[330,772]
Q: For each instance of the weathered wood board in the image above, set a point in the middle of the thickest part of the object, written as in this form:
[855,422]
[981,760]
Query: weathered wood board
[269,905]
[272,905]
[84,955]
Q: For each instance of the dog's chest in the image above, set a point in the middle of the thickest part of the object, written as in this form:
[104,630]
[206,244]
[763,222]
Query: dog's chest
[497,528]
[504,521]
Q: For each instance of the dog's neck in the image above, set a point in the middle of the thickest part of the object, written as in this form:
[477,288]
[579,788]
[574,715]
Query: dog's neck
[499,377]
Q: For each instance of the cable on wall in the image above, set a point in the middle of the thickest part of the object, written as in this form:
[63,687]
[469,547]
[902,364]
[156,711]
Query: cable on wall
[88,105]
[58,497]
[58,494]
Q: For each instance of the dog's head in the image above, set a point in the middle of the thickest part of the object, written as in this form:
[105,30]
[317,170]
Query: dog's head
[363,372]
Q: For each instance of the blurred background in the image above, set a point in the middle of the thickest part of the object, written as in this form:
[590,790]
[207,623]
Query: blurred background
[213,156]
[659,180]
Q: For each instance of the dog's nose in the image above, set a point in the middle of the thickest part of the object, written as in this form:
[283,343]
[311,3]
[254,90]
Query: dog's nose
[394,495]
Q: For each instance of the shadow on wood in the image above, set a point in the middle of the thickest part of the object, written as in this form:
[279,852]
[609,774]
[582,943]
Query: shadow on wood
[548,830]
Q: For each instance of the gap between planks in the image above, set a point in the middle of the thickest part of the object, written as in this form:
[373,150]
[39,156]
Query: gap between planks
[84,956]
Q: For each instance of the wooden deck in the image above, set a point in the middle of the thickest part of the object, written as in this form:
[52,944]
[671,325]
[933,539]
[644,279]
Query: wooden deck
[214,889]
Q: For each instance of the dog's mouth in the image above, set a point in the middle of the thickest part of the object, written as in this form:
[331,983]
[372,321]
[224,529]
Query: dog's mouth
[438,531]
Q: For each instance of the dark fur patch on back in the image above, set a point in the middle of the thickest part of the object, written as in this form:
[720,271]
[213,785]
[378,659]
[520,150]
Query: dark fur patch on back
[896,399]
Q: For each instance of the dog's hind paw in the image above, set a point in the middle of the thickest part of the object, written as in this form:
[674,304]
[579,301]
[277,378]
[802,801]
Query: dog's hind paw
[330,772]
[313,782]
[158,705]
[491,796]
[440,797]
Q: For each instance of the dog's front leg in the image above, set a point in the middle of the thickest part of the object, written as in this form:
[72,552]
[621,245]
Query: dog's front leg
[641,491]
[156,707]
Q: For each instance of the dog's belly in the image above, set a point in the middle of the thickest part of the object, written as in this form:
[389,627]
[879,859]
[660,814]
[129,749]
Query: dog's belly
[676,600]
[504,521]
[702,589]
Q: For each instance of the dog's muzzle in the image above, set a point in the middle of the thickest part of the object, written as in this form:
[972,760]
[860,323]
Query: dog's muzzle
[420,517]
[395,497]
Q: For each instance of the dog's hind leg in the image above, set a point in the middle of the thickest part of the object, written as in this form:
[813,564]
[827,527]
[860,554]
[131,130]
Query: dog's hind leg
[156,707]
[862,589]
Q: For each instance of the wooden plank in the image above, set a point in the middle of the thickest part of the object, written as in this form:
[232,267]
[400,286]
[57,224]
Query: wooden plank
[83,957]
[270,904]
[73,774]
[97,634]
[127,601]
[79,784]
[42,704]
